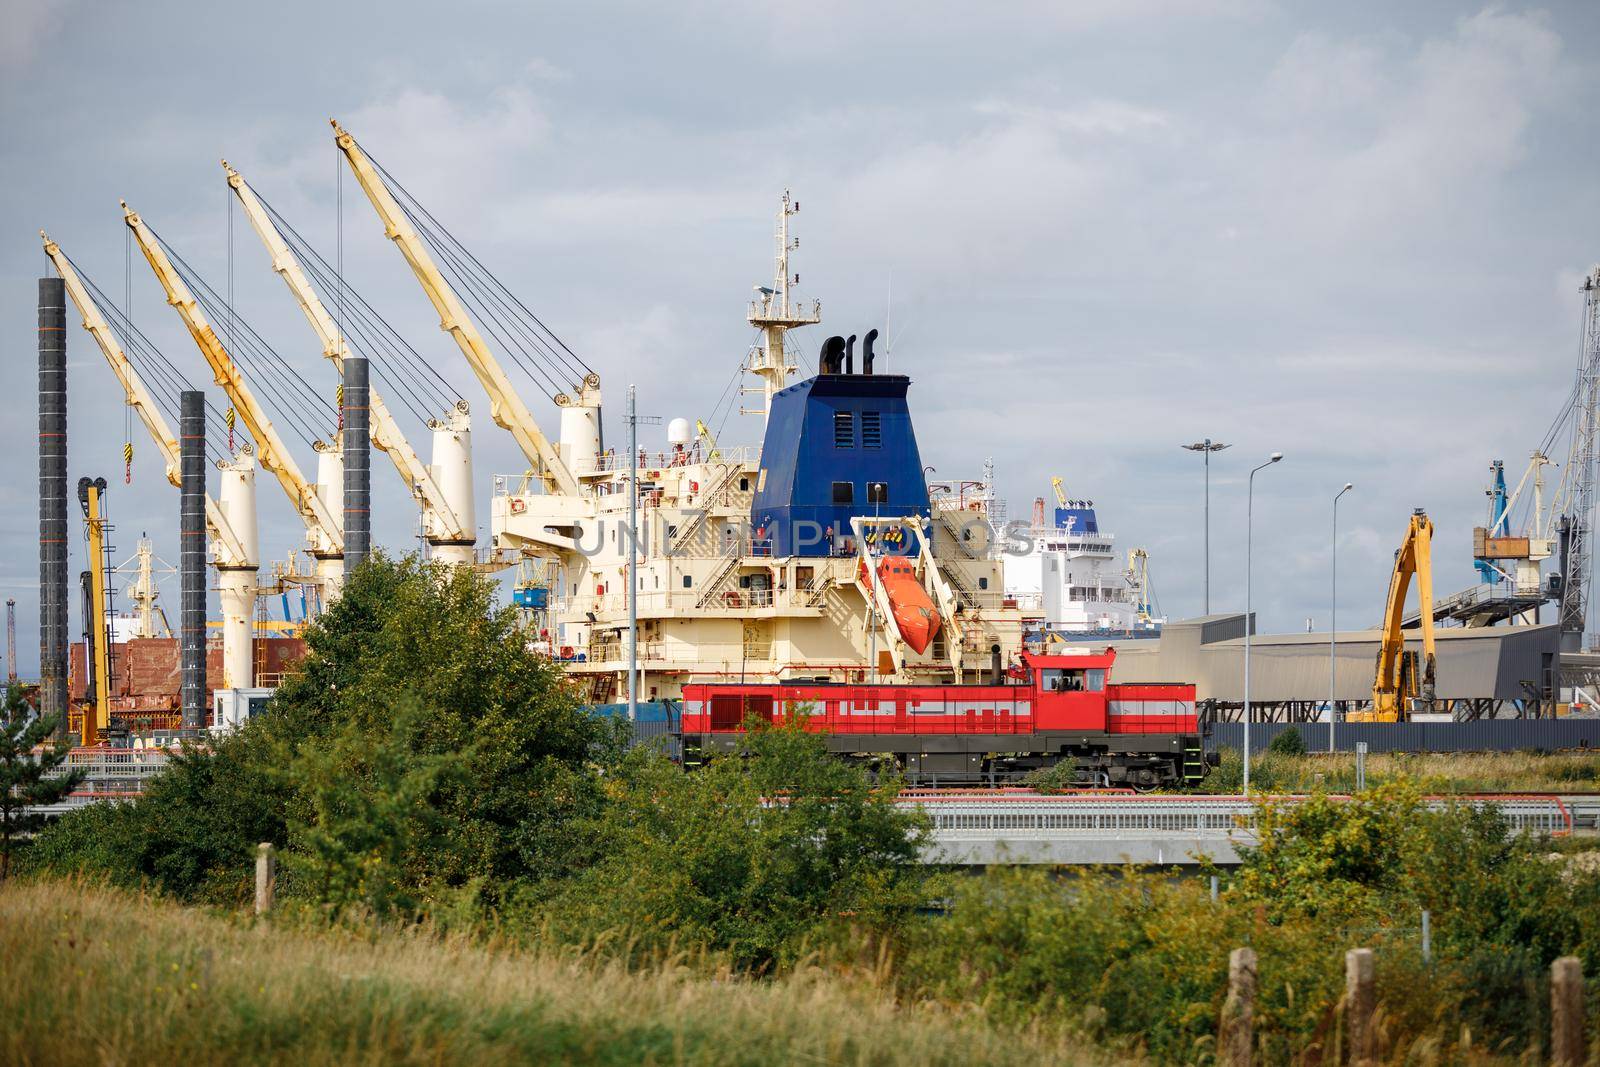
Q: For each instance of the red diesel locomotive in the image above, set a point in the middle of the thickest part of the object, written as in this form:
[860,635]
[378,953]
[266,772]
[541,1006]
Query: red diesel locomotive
[1051,709]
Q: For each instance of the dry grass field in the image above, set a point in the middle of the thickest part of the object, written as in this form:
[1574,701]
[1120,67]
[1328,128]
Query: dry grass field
[97,976]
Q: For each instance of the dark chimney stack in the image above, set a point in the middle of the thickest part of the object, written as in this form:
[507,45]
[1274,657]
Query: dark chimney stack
[832,357]
[866,351]
[53,500]
[850,355]
[192,558]
[357,464]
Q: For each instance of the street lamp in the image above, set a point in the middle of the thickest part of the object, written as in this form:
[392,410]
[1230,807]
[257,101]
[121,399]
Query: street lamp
[1333,612]
[1207,447]
[1249,532]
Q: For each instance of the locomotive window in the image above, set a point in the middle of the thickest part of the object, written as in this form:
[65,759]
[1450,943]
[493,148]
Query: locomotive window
[1055,680]
[1097,679]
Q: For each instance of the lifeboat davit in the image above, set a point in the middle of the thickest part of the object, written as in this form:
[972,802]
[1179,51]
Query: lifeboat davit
[914,613]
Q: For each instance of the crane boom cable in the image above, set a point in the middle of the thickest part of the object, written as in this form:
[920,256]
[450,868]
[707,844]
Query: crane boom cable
[159,373]
[292,394]
[495,325]
[421,388]
[525,343]
[562,360]
[245,343]
[574,363]
[383,340]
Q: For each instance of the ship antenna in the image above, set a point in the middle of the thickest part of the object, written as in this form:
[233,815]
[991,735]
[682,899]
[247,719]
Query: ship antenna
[773,314]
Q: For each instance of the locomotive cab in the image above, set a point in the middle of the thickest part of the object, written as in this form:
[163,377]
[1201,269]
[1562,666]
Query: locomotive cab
[1069,690]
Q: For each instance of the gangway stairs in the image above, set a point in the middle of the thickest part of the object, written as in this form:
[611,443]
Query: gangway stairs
[707,501]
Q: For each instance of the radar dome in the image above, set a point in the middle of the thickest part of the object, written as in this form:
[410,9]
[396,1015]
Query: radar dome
[678,432]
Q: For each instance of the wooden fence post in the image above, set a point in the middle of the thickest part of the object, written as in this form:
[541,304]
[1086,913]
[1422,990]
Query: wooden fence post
[1237,1034]
[1566,1013]
[266,877]
[1359,1003]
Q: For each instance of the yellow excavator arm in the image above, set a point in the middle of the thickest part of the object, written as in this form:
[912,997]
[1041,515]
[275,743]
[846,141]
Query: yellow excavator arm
[1400,680]
[505,406]
[323,524]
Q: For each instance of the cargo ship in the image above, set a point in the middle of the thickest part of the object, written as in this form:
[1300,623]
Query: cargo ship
[824,555]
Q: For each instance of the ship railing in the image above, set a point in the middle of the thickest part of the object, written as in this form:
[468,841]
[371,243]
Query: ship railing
[730,599]
[1075,540]
[649,460]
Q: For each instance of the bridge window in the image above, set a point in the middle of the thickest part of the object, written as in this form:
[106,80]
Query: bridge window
[844,492]
[983,583]
[877,492]
[844,429]
[688,582]
[872,429]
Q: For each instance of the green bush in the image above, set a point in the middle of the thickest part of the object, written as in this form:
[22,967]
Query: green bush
[765,853]
[1288,743]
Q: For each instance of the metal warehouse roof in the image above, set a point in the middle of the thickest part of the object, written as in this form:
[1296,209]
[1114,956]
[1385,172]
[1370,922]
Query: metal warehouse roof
[1498,662]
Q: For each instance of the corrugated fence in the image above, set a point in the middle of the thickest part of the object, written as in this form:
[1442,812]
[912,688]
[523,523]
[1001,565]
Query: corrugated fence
[657,723]
[1489,735]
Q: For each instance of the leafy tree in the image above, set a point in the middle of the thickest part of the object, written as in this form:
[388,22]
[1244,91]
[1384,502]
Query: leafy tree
[372,817]
[407,640]
[433,635]
[27,777]
[765,852]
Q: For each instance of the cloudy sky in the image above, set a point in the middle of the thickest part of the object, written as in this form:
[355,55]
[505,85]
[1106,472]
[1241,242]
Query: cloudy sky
[1351,232]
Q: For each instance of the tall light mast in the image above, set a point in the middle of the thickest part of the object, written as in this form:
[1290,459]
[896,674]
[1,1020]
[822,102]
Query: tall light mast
[505,406]
[773,314]
[230,519]
[448,525]
[1581,468]
[324,529]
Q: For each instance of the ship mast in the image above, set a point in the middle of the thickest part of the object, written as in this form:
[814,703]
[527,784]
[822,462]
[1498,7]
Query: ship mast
[772,314]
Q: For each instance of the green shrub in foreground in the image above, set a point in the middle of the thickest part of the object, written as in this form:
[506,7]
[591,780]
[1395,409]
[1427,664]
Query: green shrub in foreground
[762,855]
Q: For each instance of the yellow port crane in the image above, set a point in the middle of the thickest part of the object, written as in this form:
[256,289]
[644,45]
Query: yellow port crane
[505,406]
[1403,682]
[96,717]
[231,522]
[449,529]
[324,525]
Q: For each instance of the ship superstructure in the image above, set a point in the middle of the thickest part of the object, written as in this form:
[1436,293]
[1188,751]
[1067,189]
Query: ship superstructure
[1066,575]
[820,556]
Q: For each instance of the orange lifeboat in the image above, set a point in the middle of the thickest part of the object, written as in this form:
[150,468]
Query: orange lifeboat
[914,613]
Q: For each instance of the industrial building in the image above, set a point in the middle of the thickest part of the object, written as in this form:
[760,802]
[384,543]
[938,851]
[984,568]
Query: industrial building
[1483,671]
